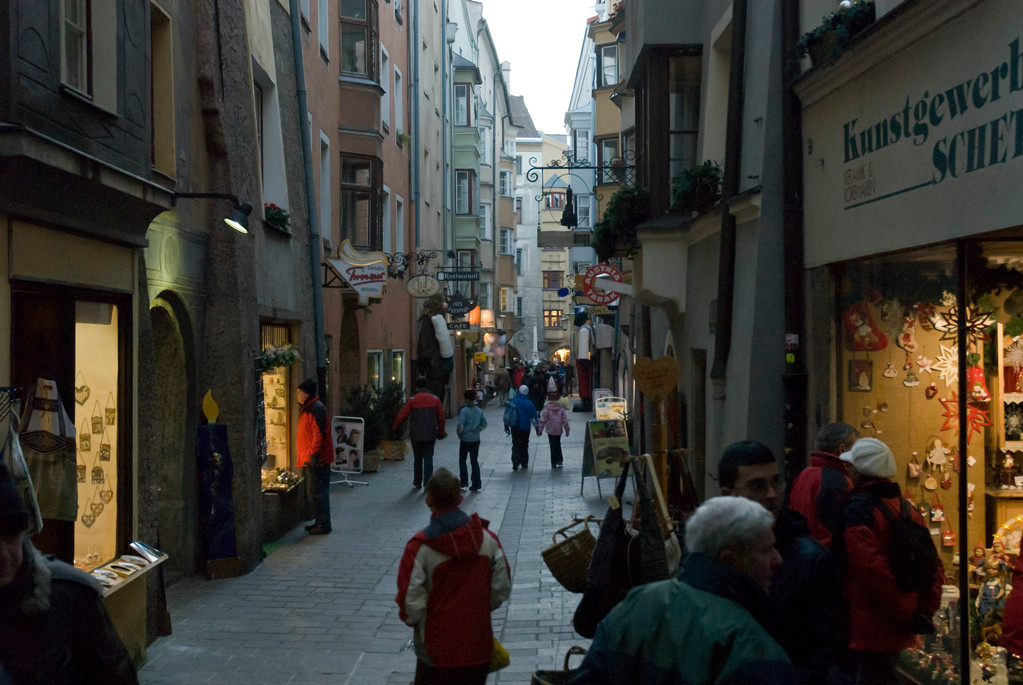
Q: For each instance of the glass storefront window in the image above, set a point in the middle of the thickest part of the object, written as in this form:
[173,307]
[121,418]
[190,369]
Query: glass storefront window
[278,402]
[374,368]
[398,367]
[951,410]
[97,420]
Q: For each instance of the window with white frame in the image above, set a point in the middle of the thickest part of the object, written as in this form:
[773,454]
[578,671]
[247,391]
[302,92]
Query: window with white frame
[518,164]
[488,225]
[506,295]
[385,85]
[397,367]
[463,104]
[269,138]
[554,199]
[399,223]
[509,147]
[582,211]
[607,65]
[375,372]
[518,210]
[323,27]
[399,102]
[359,38]
[505,244]
[463,191]
[608,153]
[385,217]
[483,299]
[485,145]
[89,50]
[684,76]
[325,187]
[505,184]
[466,260]
[518,261]
[581,144]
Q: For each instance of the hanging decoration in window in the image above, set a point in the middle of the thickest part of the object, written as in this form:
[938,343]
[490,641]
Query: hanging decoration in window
[110,413]
[97,419]
[85,438]
[82,390]
[275,357]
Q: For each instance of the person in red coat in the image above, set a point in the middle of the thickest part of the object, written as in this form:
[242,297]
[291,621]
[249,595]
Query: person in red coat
[425,415]
[819,491]
[883,620]
[452,575]
[315,453]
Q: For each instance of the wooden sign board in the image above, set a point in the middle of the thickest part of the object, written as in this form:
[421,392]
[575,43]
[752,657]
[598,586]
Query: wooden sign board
[656,379]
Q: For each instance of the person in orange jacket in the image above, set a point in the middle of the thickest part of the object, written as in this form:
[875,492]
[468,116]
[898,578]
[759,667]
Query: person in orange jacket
[315,453]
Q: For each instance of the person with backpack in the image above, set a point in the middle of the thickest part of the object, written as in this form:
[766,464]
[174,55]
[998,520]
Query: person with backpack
[519,417]
[893,575]
[820,490]
[426,426]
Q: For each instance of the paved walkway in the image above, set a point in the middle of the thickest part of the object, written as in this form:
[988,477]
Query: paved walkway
[320,609]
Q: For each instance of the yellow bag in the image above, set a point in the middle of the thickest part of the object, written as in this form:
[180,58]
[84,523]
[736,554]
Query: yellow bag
[499,658]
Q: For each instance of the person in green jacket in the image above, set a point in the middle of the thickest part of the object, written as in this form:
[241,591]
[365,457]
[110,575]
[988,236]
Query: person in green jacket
[706,625]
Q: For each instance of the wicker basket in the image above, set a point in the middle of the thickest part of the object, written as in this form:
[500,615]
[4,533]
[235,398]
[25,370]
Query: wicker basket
[557,677]
[569,558]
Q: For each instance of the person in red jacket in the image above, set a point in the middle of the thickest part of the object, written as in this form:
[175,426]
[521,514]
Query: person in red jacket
[315,454]
[425,415]
[452,574]
[819,491]
[883,619]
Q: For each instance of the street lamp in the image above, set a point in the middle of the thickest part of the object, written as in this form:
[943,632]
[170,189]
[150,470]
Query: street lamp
[238,219]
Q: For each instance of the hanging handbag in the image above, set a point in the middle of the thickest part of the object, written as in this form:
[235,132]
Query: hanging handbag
[937,511]
[914,468]
[607,579]
[48,443]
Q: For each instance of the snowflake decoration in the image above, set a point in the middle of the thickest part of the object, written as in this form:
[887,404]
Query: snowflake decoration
[925,364]
[1014,355]
[976,419]
[947,365]
[975,322]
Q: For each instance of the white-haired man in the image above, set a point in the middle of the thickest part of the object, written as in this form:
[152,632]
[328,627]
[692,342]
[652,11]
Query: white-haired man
[705,625]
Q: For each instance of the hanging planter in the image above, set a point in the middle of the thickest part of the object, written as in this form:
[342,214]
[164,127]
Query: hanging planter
[274,357]
[826,43]
[696,189]
[615,233]
[277,217]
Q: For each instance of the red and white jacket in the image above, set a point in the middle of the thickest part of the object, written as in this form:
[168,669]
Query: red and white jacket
[452,575]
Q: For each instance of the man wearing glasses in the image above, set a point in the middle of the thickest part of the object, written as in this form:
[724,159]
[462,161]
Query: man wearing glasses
[810,620]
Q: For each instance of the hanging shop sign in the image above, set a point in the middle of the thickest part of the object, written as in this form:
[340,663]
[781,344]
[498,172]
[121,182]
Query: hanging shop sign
[600,295]
[458,275]
[365,272]
[459,326]
[459,304]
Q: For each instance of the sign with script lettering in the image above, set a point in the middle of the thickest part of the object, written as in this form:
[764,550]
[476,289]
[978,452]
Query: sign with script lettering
[365,272]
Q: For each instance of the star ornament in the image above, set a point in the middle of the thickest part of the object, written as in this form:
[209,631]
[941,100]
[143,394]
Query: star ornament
[976,419]
[947,365]
[976,323]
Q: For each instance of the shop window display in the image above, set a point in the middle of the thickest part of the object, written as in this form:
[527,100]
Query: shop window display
[899,363]
[97,416]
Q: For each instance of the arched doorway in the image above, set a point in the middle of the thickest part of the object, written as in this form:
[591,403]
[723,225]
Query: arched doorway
[175,396]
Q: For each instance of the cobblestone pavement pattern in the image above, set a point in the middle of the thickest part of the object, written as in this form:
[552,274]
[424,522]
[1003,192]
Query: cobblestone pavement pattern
[320,609]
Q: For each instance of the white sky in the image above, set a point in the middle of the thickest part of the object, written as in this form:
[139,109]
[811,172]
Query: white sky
[542,40]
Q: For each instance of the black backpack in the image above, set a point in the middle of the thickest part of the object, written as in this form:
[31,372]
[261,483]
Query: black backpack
[912,556]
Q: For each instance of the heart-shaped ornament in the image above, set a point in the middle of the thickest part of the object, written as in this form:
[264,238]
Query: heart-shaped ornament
[88,520]
[106,496]
[82,393]
[656,379]
[97,508]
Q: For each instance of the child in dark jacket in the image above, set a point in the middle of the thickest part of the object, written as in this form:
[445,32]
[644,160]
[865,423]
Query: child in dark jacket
[554,419]
[470,422]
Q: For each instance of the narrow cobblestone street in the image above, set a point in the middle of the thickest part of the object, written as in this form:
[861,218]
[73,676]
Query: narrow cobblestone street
[320,609]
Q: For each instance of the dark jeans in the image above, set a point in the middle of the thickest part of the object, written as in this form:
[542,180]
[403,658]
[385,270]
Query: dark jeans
[471,450]
[520,448]
[317,487]
[556,456]
[469,675]
[422,467]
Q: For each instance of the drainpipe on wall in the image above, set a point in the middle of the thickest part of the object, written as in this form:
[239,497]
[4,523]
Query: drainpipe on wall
[729,188]
[795,376]
[315,246]
[445,47]
[413,51]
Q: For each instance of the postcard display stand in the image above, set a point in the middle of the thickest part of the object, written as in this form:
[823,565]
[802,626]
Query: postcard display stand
[604,444]
[347,434]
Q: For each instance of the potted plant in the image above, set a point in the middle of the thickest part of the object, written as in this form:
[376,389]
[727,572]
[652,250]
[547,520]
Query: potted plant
[277,356]
[361,401]
[389,402]
[827,42]
[698,188]
[615,233]
[276,217]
